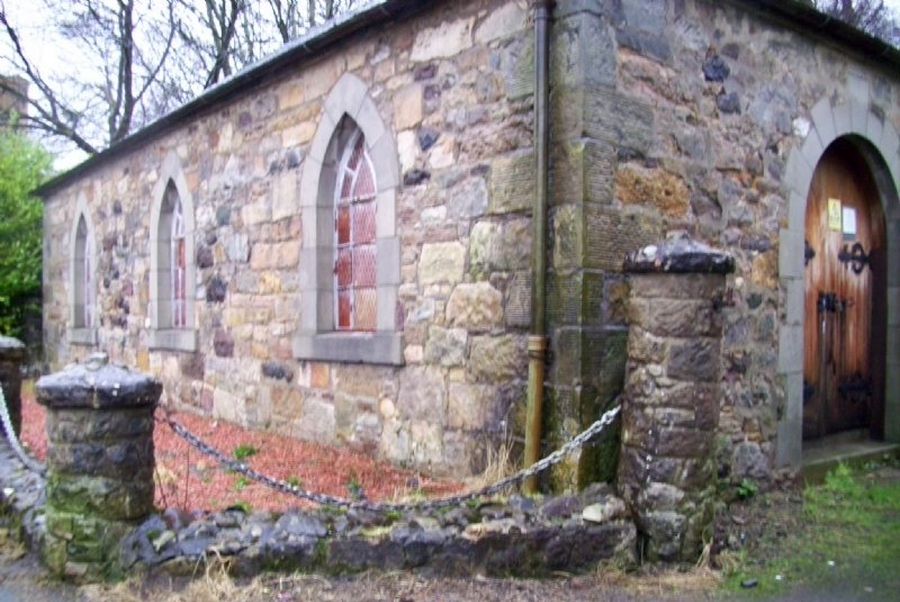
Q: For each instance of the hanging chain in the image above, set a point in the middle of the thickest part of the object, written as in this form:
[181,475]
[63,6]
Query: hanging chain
[328,500]
[29,462]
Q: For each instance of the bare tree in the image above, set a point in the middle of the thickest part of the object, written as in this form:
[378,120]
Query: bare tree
[209,31]
[287,18]
[133,61]
[871,16]
[101,109]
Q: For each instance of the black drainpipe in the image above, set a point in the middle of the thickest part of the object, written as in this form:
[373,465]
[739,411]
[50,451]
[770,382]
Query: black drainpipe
[537,340]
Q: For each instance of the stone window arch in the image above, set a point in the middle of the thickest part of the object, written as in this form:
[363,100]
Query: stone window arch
[172,319]
[83,315]
[350,124]
[879,143]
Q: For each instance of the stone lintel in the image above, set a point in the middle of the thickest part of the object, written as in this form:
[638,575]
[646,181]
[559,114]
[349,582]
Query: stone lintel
[678,256]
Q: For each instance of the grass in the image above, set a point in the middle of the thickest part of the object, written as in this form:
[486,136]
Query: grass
[242,452]
[849,542]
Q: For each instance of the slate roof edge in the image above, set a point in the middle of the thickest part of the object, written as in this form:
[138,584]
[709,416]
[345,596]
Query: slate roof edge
[804,19]
[305,47]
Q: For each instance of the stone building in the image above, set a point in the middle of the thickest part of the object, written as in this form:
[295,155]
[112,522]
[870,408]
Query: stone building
[337,242]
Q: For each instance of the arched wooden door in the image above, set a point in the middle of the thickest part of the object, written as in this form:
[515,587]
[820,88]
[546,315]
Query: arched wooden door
[844,335]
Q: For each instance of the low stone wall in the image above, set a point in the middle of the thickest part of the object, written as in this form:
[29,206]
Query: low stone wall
[89,519]
[518,537]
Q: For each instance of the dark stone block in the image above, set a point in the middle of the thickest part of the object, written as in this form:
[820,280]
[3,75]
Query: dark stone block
[223,216]
[223,344]
[427,138]
[425,72]
[715,69]
[78,425]
[277,371]
[729,103]
[293,159]
[216,289]
[419,545]
[684,443]
[562,506]
[665,531]
[431,93]
[591,544]
[695,360]
[505,554]
[360,554]
[414,177]
[205,257]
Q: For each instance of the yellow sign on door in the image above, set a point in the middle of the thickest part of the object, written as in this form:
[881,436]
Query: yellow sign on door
[834,215]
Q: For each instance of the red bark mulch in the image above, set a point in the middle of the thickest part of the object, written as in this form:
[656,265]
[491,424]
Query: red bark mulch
[187,480]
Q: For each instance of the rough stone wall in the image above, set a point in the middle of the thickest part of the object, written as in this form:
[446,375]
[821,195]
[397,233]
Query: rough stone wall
[454,87]
[686,111]
[667,116]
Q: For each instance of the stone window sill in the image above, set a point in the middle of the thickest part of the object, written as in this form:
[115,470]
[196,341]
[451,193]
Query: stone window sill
[359,348]
[83,336]
[174,339]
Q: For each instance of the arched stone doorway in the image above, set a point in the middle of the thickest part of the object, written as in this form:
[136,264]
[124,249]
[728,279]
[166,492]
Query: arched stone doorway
[845,298]
[862,129]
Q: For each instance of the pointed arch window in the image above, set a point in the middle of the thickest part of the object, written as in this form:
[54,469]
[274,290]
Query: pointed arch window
[178,260]
[173,323]
[84,278]
[356,256]
[83,284]
[350,254]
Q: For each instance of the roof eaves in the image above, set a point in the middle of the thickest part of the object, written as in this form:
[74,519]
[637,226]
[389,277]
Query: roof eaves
[807,19]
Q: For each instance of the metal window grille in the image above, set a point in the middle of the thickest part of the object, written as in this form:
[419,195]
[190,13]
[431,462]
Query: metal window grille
[179,264]
[355,256]
[88,281]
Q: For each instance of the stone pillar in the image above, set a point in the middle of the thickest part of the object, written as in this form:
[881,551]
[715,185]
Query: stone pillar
[12,354]
[670,408]
[100,463]
[592,125]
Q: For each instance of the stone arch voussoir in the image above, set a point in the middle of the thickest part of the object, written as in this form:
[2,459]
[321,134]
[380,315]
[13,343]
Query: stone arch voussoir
[827,123]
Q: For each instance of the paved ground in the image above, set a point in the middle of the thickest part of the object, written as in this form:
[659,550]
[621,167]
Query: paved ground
[22,579]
